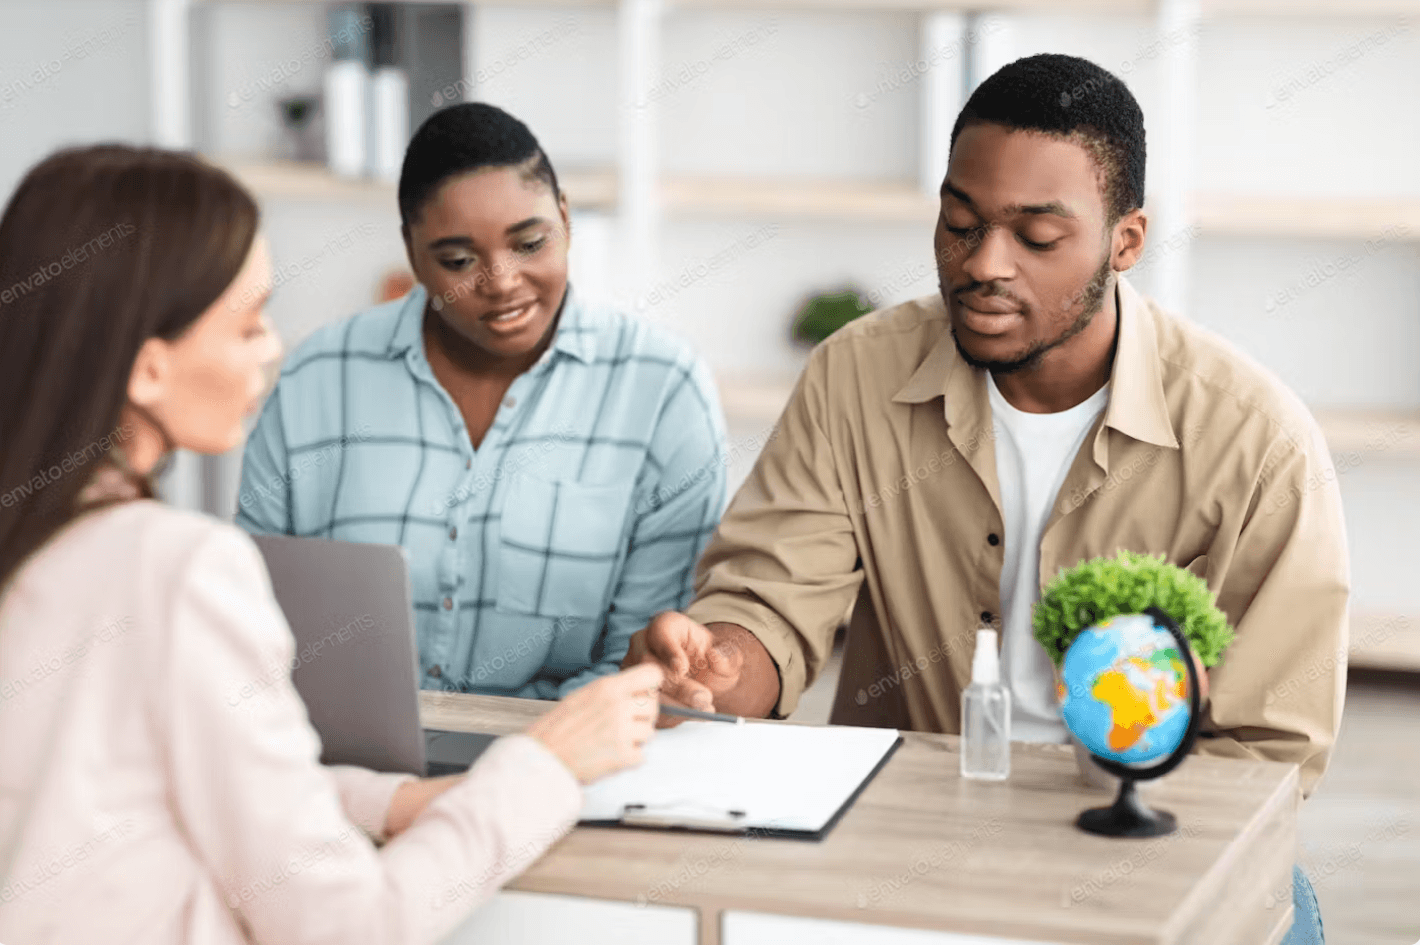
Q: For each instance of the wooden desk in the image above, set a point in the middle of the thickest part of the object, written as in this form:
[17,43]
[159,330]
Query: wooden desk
[923,849]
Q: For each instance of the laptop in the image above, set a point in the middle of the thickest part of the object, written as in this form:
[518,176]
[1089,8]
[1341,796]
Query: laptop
[356,665]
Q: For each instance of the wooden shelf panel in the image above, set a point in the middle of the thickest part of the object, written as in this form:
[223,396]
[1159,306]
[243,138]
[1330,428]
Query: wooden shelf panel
[1369,218]
[1394,220]
[289,180]
[1385,641]
[1311,8]
[805,200]
[1370,432]
[1261,8]
[1373,432]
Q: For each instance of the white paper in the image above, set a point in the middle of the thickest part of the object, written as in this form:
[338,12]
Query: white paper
[783,777]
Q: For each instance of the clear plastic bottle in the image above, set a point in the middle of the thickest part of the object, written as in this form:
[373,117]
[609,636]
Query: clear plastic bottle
[986,715]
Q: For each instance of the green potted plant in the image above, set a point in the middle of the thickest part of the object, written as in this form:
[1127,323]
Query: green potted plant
[824,314]
[1099,589]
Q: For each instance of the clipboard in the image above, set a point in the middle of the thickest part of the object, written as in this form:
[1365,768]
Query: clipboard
[770,780]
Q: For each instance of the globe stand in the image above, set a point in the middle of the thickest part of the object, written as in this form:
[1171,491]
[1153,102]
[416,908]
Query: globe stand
[1128,816]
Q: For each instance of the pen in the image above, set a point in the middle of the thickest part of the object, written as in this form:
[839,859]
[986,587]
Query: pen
[702,716]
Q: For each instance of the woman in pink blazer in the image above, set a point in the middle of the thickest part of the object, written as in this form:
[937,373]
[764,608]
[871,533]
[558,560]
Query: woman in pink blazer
[136,803]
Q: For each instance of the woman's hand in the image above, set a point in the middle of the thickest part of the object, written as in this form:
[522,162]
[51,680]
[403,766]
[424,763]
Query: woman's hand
[600,728]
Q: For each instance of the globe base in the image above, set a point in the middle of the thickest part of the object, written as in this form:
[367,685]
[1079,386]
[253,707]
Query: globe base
[1127,817]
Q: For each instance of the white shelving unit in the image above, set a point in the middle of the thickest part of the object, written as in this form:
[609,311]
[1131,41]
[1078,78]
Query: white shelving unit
[642,198]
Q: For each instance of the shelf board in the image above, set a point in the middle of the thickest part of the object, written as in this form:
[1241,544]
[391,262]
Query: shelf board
[1385,641]
[1310,8]
[1261,8]
[805,200]
[1367,218]
[1395,219]
[1371,432]
[290,180]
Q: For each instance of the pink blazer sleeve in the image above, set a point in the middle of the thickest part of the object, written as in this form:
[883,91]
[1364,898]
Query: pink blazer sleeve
[284,838]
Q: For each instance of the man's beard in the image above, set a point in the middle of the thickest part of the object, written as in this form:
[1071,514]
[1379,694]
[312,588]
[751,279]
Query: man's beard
[1091,303]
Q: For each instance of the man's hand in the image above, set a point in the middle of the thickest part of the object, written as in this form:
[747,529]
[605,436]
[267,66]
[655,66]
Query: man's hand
[699,667]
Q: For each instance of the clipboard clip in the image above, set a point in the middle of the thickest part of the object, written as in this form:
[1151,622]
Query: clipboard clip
[684,817]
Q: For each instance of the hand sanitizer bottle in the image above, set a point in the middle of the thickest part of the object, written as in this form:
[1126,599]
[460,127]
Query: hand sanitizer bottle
[986,715]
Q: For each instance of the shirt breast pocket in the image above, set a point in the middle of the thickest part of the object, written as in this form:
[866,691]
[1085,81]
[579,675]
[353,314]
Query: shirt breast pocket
[561,541]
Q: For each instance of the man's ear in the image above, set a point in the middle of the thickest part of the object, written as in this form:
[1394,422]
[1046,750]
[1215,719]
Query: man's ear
[148,380]
[1128,241]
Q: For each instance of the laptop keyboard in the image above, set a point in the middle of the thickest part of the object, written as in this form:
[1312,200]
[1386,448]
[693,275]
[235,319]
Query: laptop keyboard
[453,752]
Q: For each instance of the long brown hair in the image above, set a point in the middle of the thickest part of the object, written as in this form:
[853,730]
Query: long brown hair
[101,249]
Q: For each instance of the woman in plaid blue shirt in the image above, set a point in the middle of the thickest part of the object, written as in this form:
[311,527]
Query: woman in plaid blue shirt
[552,469]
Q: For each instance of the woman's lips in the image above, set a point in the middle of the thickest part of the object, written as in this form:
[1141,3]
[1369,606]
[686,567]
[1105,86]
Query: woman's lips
[509,321]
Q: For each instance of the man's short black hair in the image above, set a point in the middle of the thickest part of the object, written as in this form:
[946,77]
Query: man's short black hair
[461,138]
[1069,97]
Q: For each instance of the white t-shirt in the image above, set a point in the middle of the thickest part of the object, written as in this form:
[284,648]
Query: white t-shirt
[1034,452]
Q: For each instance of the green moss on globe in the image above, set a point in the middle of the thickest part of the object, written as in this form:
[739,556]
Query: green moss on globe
[1101,588]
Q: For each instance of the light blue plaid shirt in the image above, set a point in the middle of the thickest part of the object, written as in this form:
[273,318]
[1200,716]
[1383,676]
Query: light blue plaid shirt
[535,558]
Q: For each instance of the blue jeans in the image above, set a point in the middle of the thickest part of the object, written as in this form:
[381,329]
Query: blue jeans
[1306,914]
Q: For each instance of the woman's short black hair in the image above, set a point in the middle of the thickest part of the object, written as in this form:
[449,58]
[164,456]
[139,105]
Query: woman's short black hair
[1069,97]
[466,137]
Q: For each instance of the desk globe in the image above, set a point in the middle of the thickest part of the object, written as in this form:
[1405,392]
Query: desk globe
[1130,696]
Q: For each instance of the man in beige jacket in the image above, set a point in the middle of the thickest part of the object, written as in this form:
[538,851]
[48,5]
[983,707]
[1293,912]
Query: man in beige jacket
[950,455]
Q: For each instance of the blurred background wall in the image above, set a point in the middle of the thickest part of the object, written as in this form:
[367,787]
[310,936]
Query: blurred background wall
[727,160]
[797,148]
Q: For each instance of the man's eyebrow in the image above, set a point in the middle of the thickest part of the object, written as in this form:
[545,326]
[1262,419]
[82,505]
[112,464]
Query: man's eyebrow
[1050,208]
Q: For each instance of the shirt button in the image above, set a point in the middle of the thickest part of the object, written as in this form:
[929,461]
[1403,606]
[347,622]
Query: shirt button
[510,402]
[448,603]
[468,464]
[435,672]
[985,615]
[453,533]
[993,539]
